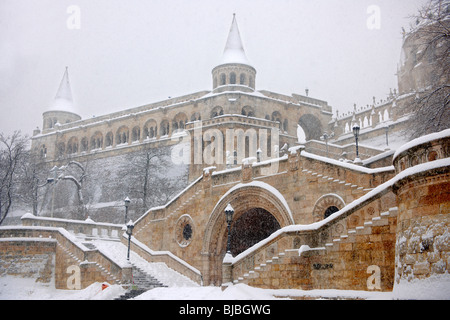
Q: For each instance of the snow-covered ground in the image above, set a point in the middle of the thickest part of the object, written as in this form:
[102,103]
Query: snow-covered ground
[15,288]
[182,288]
[178,287]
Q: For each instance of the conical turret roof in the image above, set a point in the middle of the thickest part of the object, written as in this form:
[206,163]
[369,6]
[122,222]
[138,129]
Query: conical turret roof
[63,99]
[234,50]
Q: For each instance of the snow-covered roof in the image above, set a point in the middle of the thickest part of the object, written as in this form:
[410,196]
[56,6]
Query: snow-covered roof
[234,50]
[63,100]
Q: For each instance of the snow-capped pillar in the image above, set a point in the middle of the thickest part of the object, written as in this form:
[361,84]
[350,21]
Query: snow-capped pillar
[247,169]
[294,157]
[207,178]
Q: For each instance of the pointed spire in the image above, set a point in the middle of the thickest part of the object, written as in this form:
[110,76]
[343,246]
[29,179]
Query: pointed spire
[63,99]
[234,50]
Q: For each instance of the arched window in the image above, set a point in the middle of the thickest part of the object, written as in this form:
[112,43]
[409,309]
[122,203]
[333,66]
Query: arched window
[232,78]
[326,205]
[122,135]
[109,139]
[329,211]
[242,78]
[164,128]
[248,111]
[97,141]
[72,146]
[84,144]
[196,116]
[43,151]
[179,121]
[150,129]
[136,134]
[223,79]
[217,111]
[276,116]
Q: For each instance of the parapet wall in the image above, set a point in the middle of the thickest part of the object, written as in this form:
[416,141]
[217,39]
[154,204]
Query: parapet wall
[50,254]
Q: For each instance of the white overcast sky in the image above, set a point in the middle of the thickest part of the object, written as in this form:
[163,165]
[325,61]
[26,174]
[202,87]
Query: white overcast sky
[130,53]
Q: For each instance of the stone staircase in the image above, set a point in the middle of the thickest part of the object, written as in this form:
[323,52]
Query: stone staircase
[366,228]
[142,282]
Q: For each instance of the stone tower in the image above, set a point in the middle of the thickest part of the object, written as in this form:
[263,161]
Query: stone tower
[234,73]
[62,110]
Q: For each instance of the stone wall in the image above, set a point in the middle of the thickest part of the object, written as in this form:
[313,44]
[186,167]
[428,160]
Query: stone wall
[423,192]
[51,255]
[28,257]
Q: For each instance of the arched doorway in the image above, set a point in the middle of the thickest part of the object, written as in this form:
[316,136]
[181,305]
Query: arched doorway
[250,201]
[251,227]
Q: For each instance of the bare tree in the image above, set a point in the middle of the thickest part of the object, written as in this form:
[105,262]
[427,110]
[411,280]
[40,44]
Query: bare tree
[12,152]
[145,177]
[66,173]
[31,175]
[431,112]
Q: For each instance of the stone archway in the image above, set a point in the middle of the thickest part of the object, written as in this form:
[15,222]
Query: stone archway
[311,126]
[245,199]
[251,227]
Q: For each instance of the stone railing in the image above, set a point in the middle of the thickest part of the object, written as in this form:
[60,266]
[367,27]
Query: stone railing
[77,251]
[316,235]
[85,228]
[421,150]
[172,261]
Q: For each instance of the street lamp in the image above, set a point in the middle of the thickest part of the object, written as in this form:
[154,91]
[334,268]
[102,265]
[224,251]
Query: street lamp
[130,226]
[325,137]
[229,211]
[356,134]
[127,204]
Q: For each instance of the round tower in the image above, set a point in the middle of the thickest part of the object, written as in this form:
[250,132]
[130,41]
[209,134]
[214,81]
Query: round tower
[234,73]
[62,110]
[423,224]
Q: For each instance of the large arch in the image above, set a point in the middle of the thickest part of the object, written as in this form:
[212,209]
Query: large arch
[243,197]
[311,126]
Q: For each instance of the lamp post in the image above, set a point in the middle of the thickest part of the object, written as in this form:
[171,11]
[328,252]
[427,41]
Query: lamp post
[127,204]
[356,134]
[229,211]
[130,226]
[325,137]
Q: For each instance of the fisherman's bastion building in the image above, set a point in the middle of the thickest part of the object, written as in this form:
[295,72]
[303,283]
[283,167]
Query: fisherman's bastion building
[311,207]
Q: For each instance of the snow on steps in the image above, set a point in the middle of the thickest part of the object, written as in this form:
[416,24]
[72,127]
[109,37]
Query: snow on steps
[334,180]
[365,228]
[103,271]
[362,229]
[117,252]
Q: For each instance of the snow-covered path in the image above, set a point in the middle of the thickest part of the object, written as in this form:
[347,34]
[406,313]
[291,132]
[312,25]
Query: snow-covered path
[117,252]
